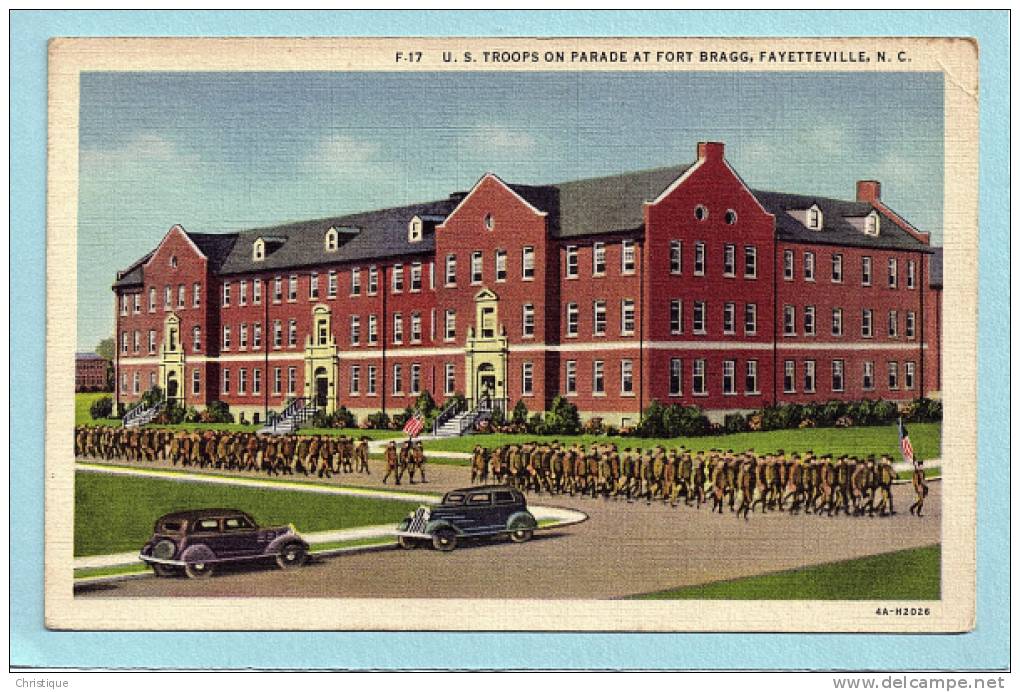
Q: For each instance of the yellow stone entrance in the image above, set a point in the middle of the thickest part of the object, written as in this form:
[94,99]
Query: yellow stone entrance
[171,362]
[485,359]
[320,361]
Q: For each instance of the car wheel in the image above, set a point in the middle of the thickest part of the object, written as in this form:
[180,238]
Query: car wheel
[521,535]
[164,570]
[199,570]
[293,555]
[444,540]
[406,543]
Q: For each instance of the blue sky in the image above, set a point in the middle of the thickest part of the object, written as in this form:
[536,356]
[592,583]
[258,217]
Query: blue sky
[220,152]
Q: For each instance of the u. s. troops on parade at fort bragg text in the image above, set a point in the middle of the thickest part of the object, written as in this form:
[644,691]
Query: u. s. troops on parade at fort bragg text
[743,482]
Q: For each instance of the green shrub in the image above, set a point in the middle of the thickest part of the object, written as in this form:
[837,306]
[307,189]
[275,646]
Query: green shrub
[734,423]
[924,410]
[536,424]
[520,414]
[378,421]
[562,418]
[400,418]
[672,421]
[101,408]
[217,412]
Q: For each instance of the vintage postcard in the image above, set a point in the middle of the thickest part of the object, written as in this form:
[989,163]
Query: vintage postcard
[512,334]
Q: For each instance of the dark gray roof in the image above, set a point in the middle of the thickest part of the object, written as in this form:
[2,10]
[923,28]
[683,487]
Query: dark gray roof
[132,276]
[935,268]
[215,246]
[836,230]
[87,355]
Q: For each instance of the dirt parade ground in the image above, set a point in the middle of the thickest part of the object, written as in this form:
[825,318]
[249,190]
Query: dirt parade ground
[623,549]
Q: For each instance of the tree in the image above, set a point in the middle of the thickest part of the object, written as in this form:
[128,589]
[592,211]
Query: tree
[106,349]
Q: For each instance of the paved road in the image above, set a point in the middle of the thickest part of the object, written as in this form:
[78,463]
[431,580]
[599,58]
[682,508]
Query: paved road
[622,549]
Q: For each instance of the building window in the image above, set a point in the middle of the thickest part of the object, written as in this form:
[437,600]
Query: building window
[432,275]
[398,328]
[414,230]
[196,339]
[809,266]
[277,380]
[137,303]
[476,267]
[729,318]
[292,334]
[373,280]
[598,377]
[837,375]
[242,381]
[570,377]
[355,282]
[291,380]
[814,218]
[867,327]
[894,375]
[809,320]
[675,376]
[451,270]
[137,341]
[500,265]
[676,315]
[415,327]
[750,262]
[892,272]
[598,259]
[837,269]
[700,212]
[789,320]
[256,335]
[893,324]
[699,259]
[415,378]
[868,379]
[355,330]
[371,381]
[416,277]
[450,325]
[789,377]
[676,262]
[626,377]
[698,378]
[627,316]
[627,261]
[322,332]
[908,374]
[729,260]
[910,274]
[728,376]
[809,376]
[751,378]
[910,324]
[152,341]
[355,384]
[751,319]
[277,289]
[528,263]
[528,321]
[396,279]
[226,337]
[292,288]
[698,323]
[331,240]
[152,299]
[599,319]
[788,265]
[573,316]
[313,286]
[865,271]
[373,329]
[731,217]
[256,291]
[571,261]
[124,304]
[226,381]
[256,381]
[450,382]
[242,337]
[180,295]
[871,224]
[168,298]
[837,321]
[277,334]
[527,378]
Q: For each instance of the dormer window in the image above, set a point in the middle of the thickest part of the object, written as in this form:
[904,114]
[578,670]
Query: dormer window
[414,230]
[332,240]
[258,250]
[871,224]
[814,218]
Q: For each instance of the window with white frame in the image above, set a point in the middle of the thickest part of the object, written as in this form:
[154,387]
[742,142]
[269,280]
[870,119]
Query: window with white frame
[256,381]
[226,380]
[168,298]
[599,318]
[729,260]
[277,334]
[136,383]
[751,377]
[373,280]
[500,265]
[196,339]
[676,316]
[598,259]
[837,268]
[292,333]
[124,303]
[476,267]
[291,380]
[571,261]
[226,294]
[415,327]
[809,266]
[865,271]
[908,374]
[242,336]
[256,291]
[894,375]
[277,289]
[699,258]
[152,341]
[675,376]
[676,257]
[152,299]
[313,286]
[528,321]
[398,378]
[789,377]
[415,383]
[750,262]
[292,288]
[398,328]
[137,341]
[226,337]
[750,319]
[809,376]
[814,218]
[894,323]
[867,327]
[373,329]
[789,320]
[277,380]
[397,278]
[450,379]
[788,265]
[528,263]
[573,317]
[331,240]
[910,324]
[627,257]
[137,303]
[871,224]
[355,380]
[837,375]
[598,377]
[242,381]
[331,284]
[370,384]
[729,386]
[893,267]
[570,377]
[911,278]
[698,318]
[627,319]
[868,376]
[837,321]
[180,295]
[729,318]
[256,335]
[355,330]
[809,320]
[450,325]
[626,377]
[451,270]
[355,281]
[527,378]
[698,378]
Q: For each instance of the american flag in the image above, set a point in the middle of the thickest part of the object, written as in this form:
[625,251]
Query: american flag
[414,425]
[906,449]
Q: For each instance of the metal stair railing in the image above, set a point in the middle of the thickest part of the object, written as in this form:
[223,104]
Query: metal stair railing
[448,413]
[139,415]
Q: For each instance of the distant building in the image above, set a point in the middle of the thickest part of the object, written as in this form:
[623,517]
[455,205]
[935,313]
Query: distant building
[90,372]
[678,284]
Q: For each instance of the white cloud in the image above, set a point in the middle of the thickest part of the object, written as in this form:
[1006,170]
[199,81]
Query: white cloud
[140,150]
[497,138]
[340,151]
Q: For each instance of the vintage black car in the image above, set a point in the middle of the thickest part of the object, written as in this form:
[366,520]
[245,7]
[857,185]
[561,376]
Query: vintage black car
[488,510]
[197,541]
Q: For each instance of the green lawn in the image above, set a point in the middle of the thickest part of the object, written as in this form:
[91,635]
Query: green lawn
[82,403]
[877,440]
[356,433]
[906,575]
[116,513]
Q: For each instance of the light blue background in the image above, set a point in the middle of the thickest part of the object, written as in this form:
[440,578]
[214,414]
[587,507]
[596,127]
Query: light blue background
[32,644]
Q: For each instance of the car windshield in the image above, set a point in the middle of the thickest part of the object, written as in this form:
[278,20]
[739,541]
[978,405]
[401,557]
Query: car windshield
[170,526]
[454,499]
[237,524]
[480,499]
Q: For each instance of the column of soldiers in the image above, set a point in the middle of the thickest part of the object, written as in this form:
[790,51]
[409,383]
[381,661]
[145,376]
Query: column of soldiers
[322,455]
[742,482]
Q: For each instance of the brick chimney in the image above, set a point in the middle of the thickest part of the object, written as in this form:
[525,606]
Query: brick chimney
[711,151]
[869,191]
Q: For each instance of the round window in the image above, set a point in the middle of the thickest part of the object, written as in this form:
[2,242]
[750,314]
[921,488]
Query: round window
[731,217]
[700,212]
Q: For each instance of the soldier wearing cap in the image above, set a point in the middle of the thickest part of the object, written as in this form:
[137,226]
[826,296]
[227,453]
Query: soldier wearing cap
[391,462]
[920,485]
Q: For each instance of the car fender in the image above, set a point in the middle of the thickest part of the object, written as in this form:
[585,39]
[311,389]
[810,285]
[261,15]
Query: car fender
[521,520]
[438,524]
[198,553]
[276,545]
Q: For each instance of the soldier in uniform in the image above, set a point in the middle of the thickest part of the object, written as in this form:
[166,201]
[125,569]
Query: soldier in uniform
[405,465]
[886,474]
[362,454]
[391,462]
[418,459]
[920,484]
[477,465]
[746,483]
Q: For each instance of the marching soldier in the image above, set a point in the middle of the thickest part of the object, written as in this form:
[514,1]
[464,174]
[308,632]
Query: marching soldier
[391,463]
[418,459]
[362,455]
[920,484]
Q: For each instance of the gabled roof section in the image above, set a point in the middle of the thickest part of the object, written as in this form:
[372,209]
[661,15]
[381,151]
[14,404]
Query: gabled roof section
[132,276]
[935,268]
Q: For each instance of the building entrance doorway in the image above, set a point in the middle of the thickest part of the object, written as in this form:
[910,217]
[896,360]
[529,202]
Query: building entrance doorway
[321,388]
[171,386]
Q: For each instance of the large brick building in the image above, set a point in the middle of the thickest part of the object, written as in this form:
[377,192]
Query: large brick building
[90,372]
[677,284]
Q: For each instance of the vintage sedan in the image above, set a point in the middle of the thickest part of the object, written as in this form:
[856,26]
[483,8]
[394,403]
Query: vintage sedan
[197,541]
[489,510]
